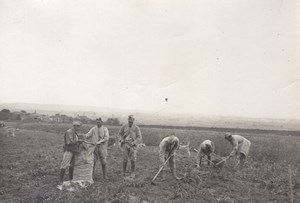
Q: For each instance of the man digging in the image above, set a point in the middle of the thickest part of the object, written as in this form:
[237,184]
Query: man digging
[240,147]
[206,148]
[167,149]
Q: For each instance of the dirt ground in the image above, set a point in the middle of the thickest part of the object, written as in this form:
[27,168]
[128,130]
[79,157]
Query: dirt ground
[29,172]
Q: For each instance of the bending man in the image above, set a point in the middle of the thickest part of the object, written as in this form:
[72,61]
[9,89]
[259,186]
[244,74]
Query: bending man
[241,147]
[167,148]
[205,149]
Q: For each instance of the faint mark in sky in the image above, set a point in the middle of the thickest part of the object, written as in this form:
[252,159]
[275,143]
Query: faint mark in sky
[289,85]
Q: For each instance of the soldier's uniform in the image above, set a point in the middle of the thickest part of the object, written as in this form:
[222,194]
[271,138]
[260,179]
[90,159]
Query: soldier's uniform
[241,146]
[95,135]
[71,147]
[130,137]
[167,148]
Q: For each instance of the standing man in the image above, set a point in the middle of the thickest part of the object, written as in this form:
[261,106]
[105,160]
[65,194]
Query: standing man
[71,147]
[129,137]
[240,147]
[99,136]
[205,149]
[167,148]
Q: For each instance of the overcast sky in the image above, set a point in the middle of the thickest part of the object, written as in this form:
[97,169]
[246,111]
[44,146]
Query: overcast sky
[209,57]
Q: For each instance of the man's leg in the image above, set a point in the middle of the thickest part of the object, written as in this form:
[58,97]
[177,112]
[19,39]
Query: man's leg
[94,166]
[172,167]
[124,167]
[103,155]
[104,171]
[132,158]
[209,159]
[199,157]
[71,168]
[163,172]
[96,157]
[61,175]
[65,164]
[125,158]
[242,160]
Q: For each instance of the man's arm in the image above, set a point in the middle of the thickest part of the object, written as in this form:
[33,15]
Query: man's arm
[69,138]
[234,148]
[162,149]
[106,136]
[213,147]
[121,134]
[139,138]
[175,146]
[199,156]
[89,134]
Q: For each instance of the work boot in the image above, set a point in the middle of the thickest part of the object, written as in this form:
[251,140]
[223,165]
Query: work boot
[61,176]
[124,167]
[94,169]
[71,171]
[174,174]
[242,161]
[132,166]
[132,169]
[104,171]
[132,175]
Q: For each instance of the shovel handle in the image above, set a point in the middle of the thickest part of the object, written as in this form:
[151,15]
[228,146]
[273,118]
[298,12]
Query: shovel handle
[221,161]
[204,157]
[161,168]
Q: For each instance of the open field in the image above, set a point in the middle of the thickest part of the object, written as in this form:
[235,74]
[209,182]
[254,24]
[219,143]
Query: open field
[29,169]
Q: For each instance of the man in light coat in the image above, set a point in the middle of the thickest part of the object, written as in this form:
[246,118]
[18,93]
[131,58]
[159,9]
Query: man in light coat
[205,149]
[167,148]
[240,147]
[99,136]
[129,138]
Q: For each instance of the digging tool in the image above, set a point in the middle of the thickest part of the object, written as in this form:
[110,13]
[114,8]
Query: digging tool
[222,161]
[160,169]
[205,157]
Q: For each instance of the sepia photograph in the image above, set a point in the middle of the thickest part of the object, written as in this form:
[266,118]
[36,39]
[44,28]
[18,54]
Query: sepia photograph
[148,101]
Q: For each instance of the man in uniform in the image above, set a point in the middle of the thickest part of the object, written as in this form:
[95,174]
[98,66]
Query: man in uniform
[71,147]
[167,148]
[99,136]
[240,147]
[205,149]
[130,137]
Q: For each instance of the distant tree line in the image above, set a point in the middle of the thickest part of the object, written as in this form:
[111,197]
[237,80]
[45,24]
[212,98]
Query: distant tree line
[6,114]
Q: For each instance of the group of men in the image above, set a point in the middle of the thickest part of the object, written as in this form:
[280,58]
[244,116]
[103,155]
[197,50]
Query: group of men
[240,147]
[129,138]
[169,145]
